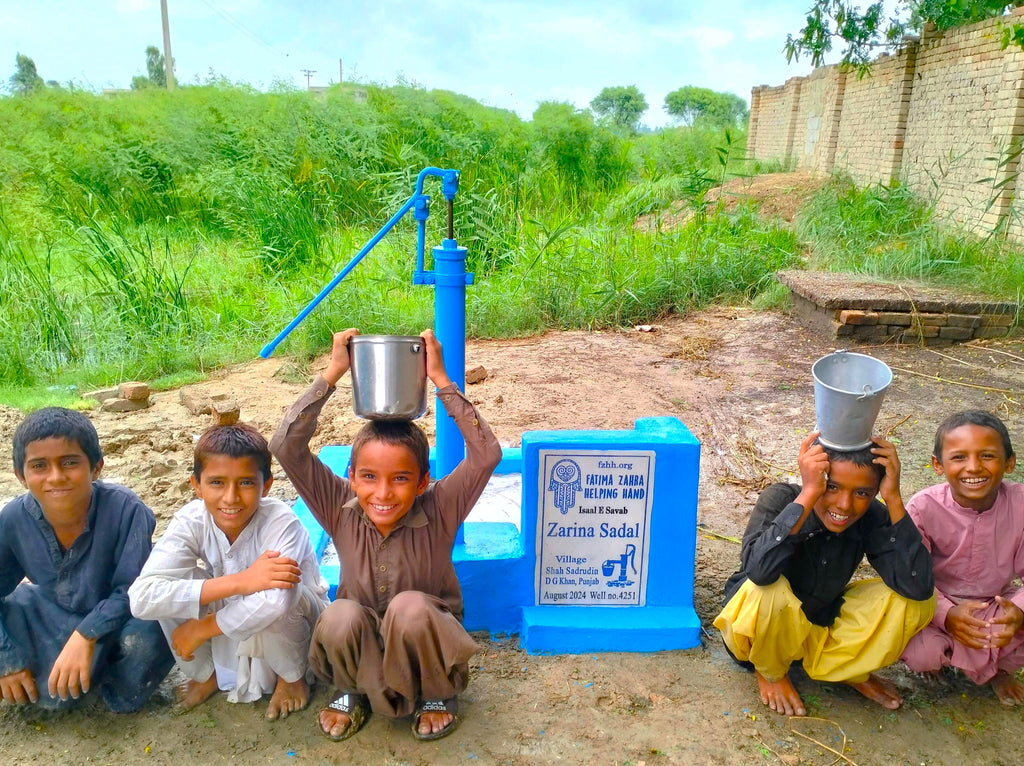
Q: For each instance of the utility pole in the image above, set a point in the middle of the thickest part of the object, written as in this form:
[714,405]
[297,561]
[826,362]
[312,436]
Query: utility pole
[341,72]
[309,73]
[168,61]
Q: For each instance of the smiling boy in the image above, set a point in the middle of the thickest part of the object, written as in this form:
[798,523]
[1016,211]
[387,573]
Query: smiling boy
[973,524]
[393,639]
[80,543]
[792,598]
[234,580]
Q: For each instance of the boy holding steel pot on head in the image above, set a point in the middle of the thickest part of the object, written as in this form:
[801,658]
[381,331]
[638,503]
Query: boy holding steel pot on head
[393,641]
[792,598]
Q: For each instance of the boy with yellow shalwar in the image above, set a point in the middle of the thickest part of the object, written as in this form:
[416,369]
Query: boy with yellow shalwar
[792,598]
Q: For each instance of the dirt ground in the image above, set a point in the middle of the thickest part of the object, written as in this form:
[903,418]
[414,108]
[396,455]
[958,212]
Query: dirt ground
[740,380]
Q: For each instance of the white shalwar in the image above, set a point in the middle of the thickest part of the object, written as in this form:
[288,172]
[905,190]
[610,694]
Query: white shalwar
[266,634]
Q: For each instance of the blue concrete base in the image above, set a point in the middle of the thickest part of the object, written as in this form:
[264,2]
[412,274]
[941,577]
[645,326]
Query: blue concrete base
[494,575]
[584,629]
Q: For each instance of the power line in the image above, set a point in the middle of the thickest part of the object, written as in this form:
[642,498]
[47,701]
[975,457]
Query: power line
[254,36]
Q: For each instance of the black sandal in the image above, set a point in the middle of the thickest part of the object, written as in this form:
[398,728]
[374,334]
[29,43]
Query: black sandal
[435,706]
[355,706]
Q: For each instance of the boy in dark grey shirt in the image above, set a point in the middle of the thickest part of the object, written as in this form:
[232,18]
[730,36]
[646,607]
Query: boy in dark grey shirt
[80,543]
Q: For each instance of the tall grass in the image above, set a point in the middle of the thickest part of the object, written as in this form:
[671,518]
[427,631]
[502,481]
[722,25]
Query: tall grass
[159,234]
[887,232]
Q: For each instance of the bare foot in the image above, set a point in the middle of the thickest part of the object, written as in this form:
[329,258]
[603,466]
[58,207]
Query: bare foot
[1008,689]
[334,723]
[780,695]
[879,690]
[288,698]
[433,722]
[192,693]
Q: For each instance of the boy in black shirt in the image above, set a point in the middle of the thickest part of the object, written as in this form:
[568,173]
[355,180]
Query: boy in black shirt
[792,598]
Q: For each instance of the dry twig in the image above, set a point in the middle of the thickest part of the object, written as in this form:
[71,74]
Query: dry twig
[794,719]
[993,389]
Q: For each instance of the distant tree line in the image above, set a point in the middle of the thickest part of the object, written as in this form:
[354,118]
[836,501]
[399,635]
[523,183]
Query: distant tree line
[619,106]
[26,79]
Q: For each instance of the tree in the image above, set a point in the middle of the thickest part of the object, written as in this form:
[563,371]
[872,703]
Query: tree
[157,75]
[155,67]
[693,105]
[25,78]
[864,33]
[622,105]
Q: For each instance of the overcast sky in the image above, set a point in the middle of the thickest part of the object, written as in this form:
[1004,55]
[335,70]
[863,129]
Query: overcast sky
[507,53]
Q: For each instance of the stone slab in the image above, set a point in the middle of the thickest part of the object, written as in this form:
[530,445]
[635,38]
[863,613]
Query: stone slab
[838,291]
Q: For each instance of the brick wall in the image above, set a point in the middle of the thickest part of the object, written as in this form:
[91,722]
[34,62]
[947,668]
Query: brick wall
[872,123]
[817,117]
[945,115]
[774,124]
[962,114]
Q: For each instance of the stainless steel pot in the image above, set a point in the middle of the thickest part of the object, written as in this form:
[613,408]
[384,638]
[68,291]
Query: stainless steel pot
[389,376]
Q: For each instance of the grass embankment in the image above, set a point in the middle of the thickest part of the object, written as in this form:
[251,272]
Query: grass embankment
[889,233]
[153,234]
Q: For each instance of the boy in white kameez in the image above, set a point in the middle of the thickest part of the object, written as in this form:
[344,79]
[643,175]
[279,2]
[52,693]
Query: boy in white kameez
[234,580]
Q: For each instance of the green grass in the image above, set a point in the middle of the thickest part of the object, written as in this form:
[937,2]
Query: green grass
[29,399]
[157,235]
[889,233]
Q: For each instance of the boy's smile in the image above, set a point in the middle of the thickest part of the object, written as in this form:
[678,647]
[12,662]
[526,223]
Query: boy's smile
[58,475]
[973,462]
[387,482]
[231,488]
[849,490]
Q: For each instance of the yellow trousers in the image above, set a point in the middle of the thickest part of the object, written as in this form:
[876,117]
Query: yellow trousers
[764,625]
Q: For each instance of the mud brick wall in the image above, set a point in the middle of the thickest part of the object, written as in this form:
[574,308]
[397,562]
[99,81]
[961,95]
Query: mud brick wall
[945,115]
[871,127]
[965,111]
[817,118]
[771,132]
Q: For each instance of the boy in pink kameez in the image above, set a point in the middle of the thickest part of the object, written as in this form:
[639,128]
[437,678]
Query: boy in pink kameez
[974,527]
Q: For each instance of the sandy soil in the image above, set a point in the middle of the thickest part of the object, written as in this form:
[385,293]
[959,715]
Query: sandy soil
[741,381]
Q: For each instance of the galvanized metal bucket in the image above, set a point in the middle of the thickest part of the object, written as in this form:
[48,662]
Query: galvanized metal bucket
[848,393]
[389,376]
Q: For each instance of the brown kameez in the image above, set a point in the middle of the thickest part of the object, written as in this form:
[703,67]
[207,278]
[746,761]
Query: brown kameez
[394,631]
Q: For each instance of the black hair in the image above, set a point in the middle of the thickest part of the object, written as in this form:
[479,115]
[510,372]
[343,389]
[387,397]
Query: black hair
[237,441]
[971,418]
[56,423]
[863,457]
[399,433]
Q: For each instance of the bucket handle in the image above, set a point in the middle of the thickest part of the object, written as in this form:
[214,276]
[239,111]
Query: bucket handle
[867,393]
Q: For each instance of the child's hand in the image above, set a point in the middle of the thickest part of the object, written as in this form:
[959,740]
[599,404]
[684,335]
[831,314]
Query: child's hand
[890,461]
[1006,624]
[813,464]
[271,570]
[192,634]
[72,670]
[19,687]
[963,626]
[435,360]
[339,361]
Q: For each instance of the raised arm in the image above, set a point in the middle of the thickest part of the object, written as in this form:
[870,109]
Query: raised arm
[323,491]
[457,492]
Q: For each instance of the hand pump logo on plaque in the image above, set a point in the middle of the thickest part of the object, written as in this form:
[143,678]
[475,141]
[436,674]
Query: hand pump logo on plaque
[594,527]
